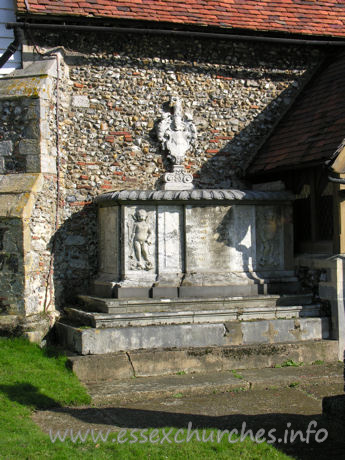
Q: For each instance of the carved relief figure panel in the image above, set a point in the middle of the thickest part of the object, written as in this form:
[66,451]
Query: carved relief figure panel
[269,237]
[140,236]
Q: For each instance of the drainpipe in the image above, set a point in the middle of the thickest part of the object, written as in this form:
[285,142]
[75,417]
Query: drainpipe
[18,40]
[171,32]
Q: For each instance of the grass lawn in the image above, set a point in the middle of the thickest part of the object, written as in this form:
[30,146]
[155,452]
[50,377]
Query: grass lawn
[32,378]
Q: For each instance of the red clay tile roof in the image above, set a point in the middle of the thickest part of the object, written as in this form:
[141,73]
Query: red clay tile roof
[311,17]
[313,128]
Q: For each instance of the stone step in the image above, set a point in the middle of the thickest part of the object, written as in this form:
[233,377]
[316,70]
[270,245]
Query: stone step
[107,305]
[139,389]
[265,283]
[89,340]
[211,360]
[142,318]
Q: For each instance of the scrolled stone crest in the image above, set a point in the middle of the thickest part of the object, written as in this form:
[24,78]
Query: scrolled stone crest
[178,175]
[177,134]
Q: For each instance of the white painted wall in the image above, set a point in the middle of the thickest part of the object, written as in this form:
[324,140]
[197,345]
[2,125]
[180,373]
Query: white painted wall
[6,36]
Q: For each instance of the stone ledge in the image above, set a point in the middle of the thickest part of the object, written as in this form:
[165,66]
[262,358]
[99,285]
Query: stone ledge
[87,340]
[21,183]
[145,363]
[34,327]
[111,305]
[141,389]
[192,195]
[17,194]
[9,325]
[196,316]
[36,81]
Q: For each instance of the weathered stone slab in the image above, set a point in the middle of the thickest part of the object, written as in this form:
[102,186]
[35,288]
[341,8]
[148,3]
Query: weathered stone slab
[17,205]
[283,331]
[247,307]
[218,291]
[208,239]
[164,292]
[99,341]
[20,183]
[316,328]
[276,331]
[91,303]
[114,339]
[163,362]
[102,367]
[99,320]
[131,292]
[99,368]
[255,332]
[33,163]
[109,232]
[170,244]
[28,86]
[48,163]
[143,317]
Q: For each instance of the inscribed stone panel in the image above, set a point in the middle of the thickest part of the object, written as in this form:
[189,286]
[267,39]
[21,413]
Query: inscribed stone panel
[208,238]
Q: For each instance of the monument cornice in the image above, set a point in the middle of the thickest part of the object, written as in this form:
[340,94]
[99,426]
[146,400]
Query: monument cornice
[206,195]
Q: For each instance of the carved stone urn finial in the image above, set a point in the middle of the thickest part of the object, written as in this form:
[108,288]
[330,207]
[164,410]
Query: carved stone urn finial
[177,134]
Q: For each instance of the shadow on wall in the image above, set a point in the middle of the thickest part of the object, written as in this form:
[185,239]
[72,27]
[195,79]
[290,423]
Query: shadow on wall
[232,159]
[243,59]
[75,255]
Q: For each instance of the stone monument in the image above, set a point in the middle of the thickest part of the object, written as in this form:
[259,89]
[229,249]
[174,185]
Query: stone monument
[182,267]
[180,241]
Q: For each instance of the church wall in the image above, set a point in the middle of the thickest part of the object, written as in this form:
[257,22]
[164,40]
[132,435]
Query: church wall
[109,105]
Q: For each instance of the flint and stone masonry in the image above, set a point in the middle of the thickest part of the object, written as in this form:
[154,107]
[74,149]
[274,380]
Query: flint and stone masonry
[117,89]
[89,125]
